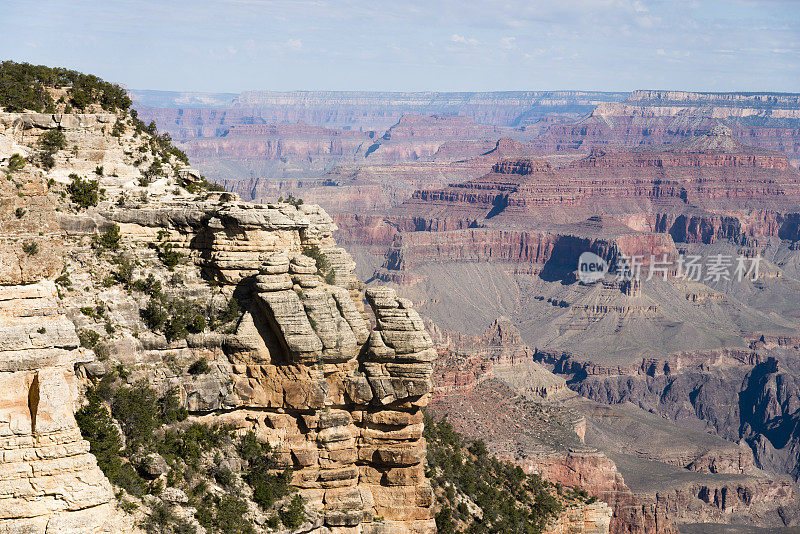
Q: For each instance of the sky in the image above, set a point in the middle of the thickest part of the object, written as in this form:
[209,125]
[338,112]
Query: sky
[414,45]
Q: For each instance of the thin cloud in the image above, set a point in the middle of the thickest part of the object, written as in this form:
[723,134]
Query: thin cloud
[463,40]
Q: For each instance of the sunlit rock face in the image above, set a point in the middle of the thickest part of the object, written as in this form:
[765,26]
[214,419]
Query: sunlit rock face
[49,482]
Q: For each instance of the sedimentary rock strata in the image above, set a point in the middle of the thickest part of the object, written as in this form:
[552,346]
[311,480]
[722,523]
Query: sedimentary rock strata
[660,117]
[48,480]
[339,401]
[710,171]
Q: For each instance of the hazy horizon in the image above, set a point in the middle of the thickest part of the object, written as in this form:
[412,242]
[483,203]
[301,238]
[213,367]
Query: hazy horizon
[231,46]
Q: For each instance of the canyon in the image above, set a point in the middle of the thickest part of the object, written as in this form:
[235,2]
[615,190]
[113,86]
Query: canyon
[142,307]
[470,234]
[673,400]
[292,370]
[646,405]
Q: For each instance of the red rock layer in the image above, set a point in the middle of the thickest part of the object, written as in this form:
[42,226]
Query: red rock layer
[410,250]
[767,120]
[273,141]
[701,190]
[689,176]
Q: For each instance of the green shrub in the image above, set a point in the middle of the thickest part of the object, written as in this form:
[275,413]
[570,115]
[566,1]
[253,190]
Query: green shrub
[119,128]
[175,318]
[163,520]
[189,444]
[185,318]
[149,286]
[47,161]
[31,248]
[154,171]
[200,367]
[250,449]
[224,515]
[293,516]
[136,409]
[124,272]
[296,202]
[84,193]
[89,311]
[198,185]
[16,163]
[230,313]
[19,213]
[323,264]
[170,409]
[105,442]
[267,486]
[109,239]
[155,315]
[63,280]
[168,256]
[128,507]
[88,338]
[52,141]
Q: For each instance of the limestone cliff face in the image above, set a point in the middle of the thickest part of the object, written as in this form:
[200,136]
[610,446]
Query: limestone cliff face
[48,480]
[342,403]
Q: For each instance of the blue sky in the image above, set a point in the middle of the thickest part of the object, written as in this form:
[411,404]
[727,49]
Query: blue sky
[415,45]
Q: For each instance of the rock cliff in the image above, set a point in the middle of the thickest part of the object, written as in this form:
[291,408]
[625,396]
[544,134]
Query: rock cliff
[299,367]
[49,482]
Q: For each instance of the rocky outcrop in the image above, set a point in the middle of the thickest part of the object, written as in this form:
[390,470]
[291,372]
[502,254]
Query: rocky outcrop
[341,403]
[592,518]
[48,480]
[299,365]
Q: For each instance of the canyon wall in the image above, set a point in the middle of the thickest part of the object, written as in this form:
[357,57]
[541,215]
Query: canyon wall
[49,482]
[765,120]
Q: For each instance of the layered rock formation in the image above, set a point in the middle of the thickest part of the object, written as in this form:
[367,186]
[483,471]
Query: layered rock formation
[360,189]
[711,172]
[362,110]
[48,480]
[765,120]
[340,402]
[290,148]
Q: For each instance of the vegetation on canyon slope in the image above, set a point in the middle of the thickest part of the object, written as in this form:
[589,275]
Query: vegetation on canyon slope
[214,468]
[25,86]
[477,493]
